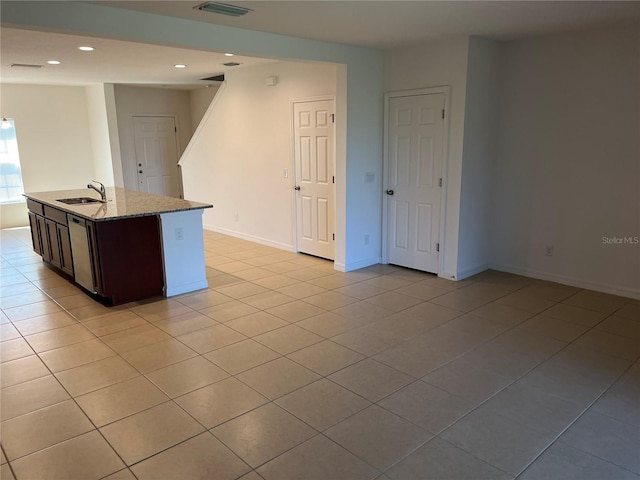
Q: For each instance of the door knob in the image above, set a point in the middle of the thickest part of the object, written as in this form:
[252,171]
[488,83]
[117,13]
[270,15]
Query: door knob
[139,164]
[139,171]
[297,187]
[390,192]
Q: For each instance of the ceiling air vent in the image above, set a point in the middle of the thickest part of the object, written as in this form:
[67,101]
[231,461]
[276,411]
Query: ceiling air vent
[25,65]
[215,78]
[231,64]
[223,9]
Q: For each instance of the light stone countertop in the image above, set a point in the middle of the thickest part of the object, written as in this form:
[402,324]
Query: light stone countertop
[121,203]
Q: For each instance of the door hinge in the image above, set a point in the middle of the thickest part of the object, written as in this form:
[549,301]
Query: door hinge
[437,247]
[333,179]
[440,182]
[175,129]
[333,118]
[443,113]
[334,236]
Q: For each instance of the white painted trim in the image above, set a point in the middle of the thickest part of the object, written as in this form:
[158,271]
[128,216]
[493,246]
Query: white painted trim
[469,272]
[446,90]
[292,176]
[367,262]
[448,276]
[572,281]
[205,117]
[191,287]
[251,238]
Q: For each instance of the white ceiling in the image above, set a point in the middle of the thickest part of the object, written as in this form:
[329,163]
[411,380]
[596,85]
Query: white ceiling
[390,24]
[112,61]
[375,24]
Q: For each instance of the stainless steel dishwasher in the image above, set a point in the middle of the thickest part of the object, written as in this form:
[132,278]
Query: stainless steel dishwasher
[82,270]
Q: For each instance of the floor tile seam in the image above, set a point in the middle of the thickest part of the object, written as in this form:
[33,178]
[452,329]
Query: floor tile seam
[477,346]
[378,403]
[315,342]
[437,436]
[130,466]
[182,343]
[336,344]
[485,401]
[4,419]
[588,347]
[346,449]
[413,450]
[413,380]
[563,302]
[11,469]
[94,337]
[146,375]
[316,433]
[73,437]
[578,417]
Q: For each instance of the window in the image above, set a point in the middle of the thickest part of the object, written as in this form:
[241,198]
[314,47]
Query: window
[11,188]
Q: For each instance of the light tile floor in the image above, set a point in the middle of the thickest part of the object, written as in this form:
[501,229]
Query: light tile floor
[287,369]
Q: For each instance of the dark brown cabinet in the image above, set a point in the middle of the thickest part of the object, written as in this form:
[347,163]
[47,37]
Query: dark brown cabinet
[66,261]
[125,255]
[50,235]
[127,258]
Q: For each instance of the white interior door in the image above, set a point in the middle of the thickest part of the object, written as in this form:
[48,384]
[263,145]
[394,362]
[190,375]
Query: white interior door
[156,145]
[314,168]
[415,155]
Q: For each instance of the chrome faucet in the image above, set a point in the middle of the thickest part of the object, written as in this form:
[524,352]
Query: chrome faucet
[102,191]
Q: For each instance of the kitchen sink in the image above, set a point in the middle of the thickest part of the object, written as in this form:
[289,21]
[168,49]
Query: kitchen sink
[79,200]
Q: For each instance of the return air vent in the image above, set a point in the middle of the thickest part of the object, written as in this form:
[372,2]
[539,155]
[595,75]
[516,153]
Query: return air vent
[223,9]
[215,78]
[25,65]
[231,64]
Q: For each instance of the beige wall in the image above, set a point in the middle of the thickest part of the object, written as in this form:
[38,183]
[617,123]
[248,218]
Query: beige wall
[237,161]
[568,171]
[54,141]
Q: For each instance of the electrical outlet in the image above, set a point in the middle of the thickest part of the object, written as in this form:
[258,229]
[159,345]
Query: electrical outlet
[548,250]
[366,239]
[179,234]
[286,173]
[235,216]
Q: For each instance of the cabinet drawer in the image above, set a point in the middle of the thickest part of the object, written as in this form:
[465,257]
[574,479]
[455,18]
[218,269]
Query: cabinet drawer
[35,207]
[55,214]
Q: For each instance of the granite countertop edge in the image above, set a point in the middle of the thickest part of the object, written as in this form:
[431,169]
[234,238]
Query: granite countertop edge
[121,203]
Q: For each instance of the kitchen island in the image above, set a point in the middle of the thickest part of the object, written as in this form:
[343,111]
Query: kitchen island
[130,247]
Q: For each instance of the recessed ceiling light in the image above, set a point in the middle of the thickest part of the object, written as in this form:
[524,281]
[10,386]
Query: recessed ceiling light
[228,54]
[180,65]
[223,9]
[86,49]
[53,62]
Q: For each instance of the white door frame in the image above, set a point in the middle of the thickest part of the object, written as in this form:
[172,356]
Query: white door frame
[293,172]
[133,139]
[446,90]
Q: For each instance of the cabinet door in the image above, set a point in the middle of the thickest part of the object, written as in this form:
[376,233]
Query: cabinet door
[35,233]
[66,263]
[44,238]
[54,244]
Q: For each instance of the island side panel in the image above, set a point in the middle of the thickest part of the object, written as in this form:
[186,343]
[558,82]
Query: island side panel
[130,258]
[183,251]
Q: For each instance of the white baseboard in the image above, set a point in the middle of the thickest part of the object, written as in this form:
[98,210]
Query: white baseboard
[174,290]
[470,272]
[571,281]
[349,267]
[252,238]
